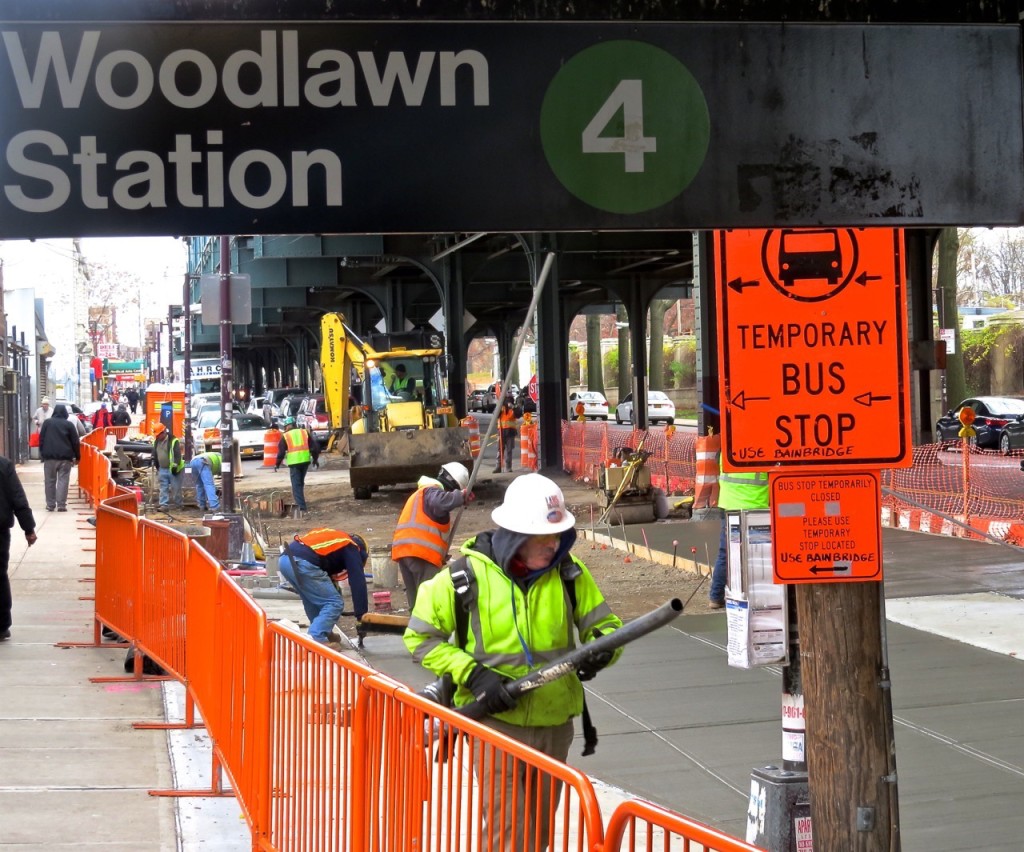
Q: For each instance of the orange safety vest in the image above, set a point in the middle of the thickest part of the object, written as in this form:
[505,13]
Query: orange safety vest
[419,536]
[507,418]
[326,540]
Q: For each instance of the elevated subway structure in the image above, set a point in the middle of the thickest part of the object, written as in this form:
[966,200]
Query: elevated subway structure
[481,285]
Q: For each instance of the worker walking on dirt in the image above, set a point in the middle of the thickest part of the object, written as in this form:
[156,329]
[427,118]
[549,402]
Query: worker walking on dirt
[169,461]
[420,545]
[528,598]
[508,429]
[204,468]
[314,564]
[735,491]
[298,448]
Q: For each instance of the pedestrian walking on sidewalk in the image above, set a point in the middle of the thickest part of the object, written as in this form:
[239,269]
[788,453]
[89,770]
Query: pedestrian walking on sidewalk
[314,563]
[13,504]
[121,417]
[60,450]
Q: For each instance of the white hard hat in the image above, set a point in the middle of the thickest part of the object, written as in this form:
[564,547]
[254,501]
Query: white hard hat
[457,471]
[533,505]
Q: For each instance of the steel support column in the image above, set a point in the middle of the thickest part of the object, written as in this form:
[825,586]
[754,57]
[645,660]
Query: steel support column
[551,360]
[705,314]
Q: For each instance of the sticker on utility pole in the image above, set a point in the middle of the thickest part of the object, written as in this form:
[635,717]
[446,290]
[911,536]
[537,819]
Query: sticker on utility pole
[625,126]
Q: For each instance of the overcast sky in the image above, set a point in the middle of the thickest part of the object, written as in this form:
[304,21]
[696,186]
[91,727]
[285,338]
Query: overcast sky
[155,265]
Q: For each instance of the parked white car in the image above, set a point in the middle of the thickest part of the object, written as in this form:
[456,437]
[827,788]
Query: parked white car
[595,406]
[660,409]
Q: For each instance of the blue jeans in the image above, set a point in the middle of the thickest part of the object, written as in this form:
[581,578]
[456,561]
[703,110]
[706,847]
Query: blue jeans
[170,487]
[297,473]
[719,575]
[321,599]
[206,491]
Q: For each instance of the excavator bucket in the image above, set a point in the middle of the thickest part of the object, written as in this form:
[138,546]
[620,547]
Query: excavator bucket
[389,458]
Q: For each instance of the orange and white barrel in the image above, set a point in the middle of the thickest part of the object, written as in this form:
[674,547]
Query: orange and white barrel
[705,492]
[271,438]
[528,446]
[470,423]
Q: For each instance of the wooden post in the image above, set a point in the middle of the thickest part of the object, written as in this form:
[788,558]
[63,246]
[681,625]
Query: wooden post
[842,663]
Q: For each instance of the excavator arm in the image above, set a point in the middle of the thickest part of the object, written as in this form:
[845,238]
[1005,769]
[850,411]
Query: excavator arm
[340,351]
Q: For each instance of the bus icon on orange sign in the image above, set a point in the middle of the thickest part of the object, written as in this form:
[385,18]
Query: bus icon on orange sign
[810,254]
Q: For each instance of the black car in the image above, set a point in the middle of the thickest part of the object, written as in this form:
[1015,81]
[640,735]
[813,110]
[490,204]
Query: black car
[993,418]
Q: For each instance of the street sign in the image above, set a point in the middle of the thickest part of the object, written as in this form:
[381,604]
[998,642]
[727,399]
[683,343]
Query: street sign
[813,352]
[284,127]
[532,389]
[825,527]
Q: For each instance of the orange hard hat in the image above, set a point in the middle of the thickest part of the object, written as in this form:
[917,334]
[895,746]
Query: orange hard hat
[158,428]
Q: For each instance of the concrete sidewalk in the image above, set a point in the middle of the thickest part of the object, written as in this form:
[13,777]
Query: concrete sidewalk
[73,771]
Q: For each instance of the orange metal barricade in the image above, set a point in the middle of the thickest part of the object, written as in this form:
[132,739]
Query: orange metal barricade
[313,694]
[160,611]
[647,826]
[408,800]
[323,753]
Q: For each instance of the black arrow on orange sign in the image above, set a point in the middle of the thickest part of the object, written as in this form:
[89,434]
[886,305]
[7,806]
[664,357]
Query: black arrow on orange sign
[831,569]
[863,278]
[867,398]
[741,399]
[738,284]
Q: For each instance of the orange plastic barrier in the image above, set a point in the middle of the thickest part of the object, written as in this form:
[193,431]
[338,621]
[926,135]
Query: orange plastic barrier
[271,439]
[705,493]
[528,446]
[473,426]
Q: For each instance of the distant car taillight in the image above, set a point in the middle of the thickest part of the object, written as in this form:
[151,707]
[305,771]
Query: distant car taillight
[994,421]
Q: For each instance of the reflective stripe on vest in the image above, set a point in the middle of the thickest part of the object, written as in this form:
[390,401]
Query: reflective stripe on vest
[173,466]
[325,540]
[507,419]
[297,444]
[417,535]
[742,490]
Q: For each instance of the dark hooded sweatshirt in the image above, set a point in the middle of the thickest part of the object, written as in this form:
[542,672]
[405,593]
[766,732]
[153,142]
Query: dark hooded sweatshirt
[58,437]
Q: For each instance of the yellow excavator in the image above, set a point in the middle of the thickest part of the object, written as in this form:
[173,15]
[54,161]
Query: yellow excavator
[388,404]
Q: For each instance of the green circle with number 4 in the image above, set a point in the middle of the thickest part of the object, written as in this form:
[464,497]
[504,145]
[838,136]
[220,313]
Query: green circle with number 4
[625,126]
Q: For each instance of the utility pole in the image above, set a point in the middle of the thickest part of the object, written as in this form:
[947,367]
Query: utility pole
[850,750]
[227,477]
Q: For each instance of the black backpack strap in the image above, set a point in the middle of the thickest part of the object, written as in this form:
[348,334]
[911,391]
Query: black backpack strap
[464,583]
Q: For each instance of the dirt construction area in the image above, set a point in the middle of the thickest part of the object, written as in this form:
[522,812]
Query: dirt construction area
[633,583]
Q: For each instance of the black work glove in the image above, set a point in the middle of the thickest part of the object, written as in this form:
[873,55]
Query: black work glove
[490,689]
[589,668]
[316,464]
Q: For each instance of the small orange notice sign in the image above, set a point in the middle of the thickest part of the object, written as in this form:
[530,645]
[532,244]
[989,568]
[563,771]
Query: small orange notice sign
[813,356]
[825,527]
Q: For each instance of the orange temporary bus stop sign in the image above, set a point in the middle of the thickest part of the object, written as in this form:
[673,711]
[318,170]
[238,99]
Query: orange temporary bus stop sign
[825,527]
[813,355]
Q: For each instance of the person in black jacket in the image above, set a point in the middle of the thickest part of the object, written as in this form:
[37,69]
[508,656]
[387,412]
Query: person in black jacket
[13,504]
[121,416]
[60,450]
